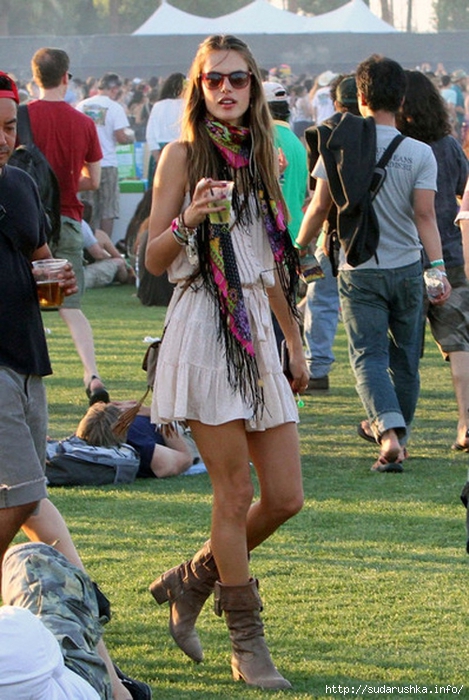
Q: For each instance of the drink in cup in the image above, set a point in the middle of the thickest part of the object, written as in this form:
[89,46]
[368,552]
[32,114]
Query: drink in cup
[47,275]
[225,194]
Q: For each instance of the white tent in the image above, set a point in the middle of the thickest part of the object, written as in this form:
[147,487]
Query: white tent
[355,16]
[167,19]
[260,17]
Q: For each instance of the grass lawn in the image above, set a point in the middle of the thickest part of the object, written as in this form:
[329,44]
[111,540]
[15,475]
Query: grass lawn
[367,585]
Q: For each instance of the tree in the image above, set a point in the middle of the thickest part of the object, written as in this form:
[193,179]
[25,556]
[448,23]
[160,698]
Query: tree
[451,15]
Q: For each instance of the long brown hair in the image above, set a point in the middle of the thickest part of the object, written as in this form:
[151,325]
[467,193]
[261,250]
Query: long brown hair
[424,115]
[202,160]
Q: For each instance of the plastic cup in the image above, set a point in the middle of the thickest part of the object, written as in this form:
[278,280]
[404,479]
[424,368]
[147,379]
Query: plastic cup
[224,195]
[47,276]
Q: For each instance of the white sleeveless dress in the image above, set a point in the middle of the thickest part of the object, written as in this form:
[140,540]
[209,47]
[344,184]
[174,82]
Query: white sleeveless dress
[192,379]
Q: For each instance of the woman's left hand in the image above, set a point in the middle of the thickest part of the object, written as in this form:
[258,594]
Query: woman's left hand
[299,370]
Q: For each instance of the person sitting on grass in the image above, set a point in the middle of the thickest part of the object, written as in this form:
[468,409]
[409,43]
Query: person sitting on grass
[104,263]
[51,627]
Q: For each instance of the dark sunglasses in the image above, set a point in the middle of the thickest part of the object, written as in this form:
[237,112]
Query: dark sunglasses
[239,79]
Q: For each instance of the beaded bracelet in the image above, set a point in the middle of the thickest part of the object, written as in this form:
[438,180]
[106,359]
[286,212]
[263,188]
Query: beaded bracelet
[180,231]
[180,236]
[437,263]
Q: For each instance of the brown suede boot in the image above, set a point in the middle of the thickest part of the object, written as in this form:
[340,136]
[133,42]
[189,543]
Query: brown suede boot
[250,660]
[187,587]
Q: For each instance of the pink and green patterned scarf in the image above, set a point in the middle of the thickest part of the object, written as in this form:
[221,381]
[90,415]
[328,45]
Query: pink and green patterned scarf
[221,271]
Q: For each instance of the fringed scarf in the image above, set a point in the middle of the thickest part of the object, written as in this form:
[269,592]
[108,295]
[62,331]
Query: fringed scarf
[218,262]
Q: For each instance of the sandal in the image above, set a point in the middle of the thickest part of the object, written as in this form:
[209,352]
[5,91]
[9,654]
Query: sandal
[459,447]
[98,394]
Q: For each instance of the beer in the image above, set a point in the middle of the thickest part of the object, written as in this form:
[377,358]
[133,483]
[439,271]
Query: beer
[48,273]
[50,294]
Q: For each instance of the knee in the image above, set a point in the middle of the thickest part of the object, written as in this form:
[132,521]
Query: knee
[234,497]
[285,507]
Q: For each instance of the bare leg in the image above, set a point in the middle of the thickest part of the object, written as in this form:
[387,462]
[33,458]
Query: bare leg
[390,447]
[276,457]
[459,362]
[82,336]
[224,450]
[107,226]
[48,526]
[11,520]
[238,526]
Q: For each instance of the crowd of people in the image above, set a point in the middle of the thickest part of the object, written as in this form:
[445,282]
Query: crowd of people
[300,156]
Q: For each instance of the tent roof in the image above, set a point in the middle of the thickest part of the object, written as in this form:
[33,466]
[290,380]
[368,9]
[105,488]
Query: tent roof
[168,19]
[260,17]
[355,16]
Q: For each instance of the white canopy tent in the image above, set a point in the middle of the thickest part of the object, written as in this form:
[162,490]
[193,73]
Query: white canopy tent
[167,19]
[260,17]
[355,16]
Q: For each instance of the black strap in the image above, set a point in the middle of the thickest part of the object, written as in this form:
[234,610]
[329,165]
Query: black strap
[25,134]
[387,155]
[379,174]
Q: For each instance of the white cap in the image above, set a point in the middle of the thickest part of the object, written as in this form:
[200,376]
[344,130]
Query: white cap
[275,92]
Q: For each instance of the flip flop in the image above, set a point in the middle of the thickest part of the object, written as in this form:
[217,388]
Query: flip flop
[363,434]
[383,465]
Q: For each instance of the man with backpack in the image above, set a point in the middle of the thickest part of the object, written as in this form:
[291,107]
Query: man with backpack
[69,141]
[380,276]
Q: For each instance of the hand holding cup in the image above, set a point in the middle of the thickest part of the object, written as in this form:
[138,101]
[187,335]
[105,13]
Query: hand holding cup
[222,203]
[55,279]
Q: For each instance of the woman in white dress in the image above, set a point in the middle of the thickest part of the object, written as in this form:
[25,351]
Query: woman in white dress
[218,367]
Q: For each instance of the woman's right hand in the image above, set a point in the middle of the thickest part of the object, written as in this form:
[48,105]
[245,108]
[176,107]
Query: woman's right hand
[202,201]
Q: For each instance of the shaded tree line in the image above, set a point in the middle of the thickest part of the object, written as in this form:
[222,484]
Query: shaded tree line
[78,17]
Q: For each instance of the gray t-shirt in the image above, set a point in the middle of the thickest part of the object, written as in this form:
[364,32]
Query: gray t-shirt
[412,166]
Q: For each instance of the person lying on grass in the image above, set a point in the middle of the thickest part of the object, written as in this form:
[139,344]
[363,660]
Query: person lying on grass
[162,454]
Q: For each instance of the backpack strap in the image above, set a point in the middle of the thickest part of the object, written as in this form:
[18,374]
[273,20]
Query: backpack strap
[25,134]
[379,174]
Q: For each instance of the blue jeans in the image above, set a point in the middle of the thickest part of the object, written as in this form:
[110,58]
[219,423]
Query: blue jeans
[382,314]
[320,321]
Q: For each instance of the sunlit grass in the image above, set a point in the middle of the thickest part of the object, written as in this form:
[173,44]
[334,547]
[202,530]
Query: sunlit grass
[368,584]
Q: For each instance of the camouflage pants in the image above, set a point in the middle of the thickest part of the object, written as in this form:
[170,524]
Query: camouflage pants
[37,577]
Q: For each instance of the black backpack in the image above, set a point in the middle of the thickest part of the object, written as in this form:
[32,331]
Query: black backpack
[30,158]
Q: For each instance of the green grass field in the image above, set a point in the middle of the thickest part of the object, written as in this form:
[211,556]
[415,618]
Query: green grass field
[365,589]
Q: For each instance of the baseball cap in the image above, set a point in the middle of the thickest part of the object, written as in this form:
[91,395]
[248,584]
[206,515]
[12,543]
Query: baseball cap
[8,87]
[108,81]
[275,92]
[346,92]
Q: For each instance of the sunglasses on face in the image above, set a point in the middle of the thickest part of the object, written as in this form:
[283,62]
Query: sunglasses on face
[239,79]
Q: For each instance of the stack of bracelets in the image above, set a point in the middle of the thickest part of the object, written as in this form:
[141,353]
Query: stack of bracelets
[182,233]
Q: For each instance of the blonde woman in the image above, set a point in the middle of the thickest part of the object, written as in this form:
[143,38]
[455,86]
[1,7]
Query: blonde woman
[218,367]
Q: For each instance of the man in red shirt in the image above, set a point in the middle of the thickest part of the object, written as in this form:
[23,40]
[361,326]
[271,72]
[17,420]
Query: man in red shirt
[69,141]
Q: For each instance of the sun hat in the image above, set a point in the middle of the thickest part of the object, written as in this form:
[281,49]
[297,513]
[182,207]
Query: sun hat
[326,78]
[458,74]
